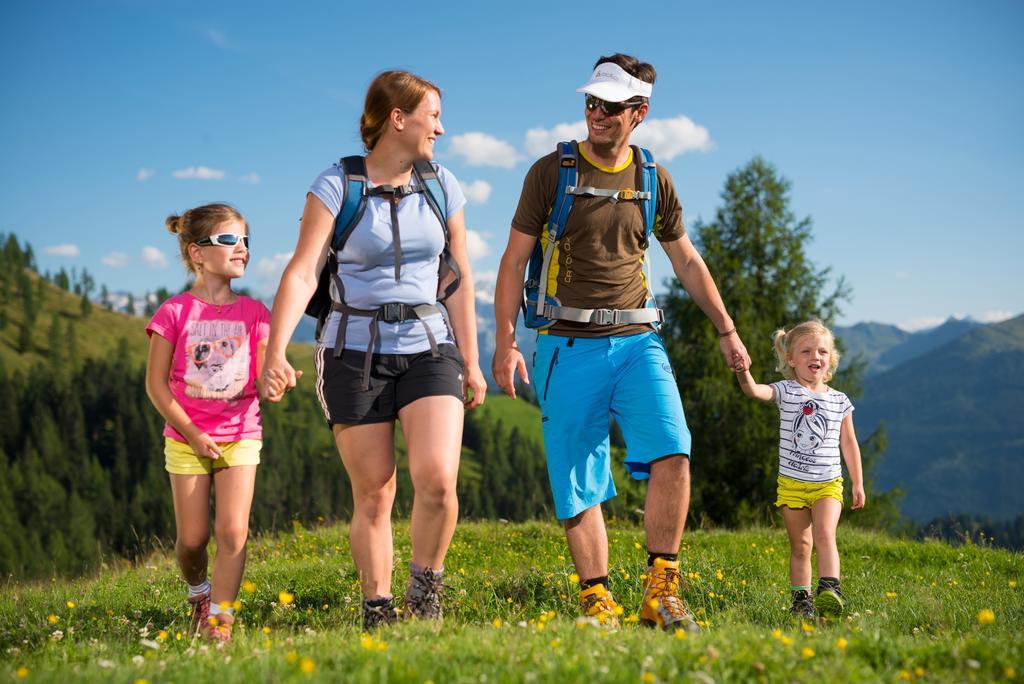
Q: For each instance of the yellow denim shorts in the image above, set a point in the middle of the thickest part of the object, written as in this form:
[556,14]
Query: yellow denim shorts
[180,459]
[796,494]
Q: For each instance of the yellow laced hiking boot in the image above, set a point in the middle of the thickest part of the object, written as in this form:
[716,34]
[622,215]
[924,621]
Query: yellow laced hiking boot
[661,605]
[597,603]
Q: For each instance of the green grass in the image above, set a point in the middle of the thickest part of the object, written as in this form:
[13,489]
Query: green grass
[511,616]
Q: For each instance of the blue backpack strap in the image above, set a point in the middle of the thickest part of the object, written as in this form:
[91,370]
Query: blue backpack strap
[649,176]
[353,204]
[567,163]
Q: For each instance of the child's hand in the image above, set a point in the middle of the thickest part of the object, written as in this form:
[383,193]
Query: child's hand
[205,447]
[858,498]
[739,364]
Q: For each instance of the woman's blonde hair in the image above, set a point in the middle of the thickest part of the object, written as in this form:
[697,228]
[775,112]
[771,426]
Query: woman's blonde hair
[784,342]
[195,224]
[390,90]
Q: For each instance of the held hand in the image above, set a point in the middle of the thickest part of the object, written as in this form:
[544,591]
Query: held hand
[507,362]
[474,387]
[733,351]
[858,498]
[739,365]
[278,378]
[205,447]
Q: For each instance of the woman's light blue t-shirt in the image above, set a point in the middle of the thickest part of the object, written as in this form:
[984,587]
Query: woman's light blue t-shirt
[366,264]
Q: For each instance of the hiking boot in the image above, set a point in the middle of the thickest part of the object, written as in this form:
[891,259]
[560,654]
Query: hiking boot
[830,601]
[803,604]
[218,628]
[423,597]
[597,603]
[200,612]
[375,616]
[661,605]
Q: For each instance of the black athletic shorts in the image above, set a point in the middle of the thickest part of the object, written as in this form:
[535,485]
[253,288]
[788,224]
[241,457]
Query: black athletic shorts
[396,380]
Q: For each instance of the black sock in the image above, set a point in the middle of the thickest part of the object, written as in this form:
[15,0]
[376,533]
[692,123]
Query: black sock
[828,583]
[587,584]
[651,555]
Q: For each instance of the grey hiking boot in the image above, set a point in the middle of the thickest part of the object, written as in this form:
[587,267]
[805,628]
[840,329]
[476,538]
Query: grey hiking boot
[830,601]
[423,598]
[803,604]
[378,613]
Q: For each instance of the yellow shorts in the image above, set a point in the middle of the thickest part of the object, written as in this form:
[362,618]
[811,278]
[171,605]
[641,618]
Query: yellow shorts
[180,459]
[796,494]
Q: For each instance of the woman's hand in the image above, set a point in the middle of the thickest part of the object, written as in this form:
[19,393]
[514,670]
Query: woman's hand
[474,387]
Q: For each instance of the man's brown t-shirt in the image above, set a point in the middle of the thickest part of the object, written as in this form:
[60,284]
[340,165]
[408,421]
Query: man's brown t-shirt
[598,262]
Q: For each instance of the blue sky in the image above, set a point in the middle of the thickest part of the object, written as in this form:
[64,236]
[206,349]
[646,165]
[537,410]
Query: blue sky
[898,124]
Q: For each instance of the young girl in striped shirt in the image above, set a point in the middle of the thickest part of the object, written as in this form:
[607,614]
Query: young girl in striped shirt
[816,427]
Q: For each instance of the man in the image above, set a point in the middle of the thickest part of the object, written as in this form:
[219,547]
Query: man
[601,354]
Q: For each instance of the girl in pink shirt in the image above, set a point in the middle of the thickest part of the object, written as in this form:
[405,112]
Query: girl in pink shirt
[206,348]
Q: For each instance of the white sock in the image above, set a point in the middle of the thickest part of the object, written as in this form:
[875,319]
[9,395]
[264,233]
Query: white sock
[215,609]
[201,588]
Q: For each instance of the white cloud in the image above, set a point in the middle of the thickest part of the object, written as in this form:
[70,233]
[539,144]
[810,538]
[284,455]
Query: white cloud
[541,141]
[65,250]
[268,272]
[200,172]
[481,149]
[918,323]
[478,191]
[483,285]
[476,246]
[115,260]
[666,138]
[253,178]
[144,175]
[669,138]
[154,257]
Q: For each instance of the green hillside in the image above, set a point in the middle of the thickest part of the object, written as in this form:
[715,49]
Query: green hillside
[90,336]
[956,441]
[919,611]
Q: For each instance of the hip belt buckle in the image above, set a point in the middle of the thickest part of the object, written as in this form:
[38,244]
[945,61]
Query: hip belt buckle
[605,316]
[393,312]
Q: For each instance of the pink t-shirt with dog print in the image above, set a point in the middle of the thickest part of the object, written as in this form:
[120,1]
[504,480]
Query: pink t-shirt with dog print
[213,369]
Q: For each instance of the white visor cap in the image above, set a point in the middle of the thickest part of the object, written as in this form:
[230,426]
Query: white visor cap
[611,83]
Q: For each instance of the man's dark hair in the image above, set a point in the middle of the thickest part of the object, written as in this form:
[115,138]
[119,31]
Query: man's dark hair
[632,66]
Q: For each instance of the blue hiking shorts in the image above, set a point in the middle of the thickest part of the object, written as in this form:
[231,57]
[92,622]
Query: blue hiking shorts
[582,382]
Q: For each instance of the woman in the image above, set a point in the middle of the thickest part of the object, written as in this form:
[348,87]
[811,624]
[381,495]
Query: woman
[421,370]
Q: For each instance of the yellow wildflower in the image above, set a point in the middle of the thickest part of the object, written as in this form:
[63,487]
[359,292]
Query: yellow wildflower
[986,616]
[285,598]
[496,622]
[248,587]
[52,619]
[21,672]
[574,578]
[307,666]
[648,678]
[71,604]
[807,652]
[841,643]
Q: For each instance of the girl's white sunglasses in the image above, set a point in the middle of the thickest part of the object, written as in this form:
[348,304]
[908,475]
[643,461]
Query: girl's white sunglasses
[224,240]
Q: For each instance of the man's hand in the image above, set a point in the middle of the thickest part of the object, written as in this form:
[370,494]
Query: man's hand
[508,360]
[733,351]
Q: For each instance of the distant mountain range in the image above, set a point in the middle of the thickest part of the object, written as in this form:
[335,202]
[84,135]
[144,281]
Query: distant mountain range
[883,346]
[951,398]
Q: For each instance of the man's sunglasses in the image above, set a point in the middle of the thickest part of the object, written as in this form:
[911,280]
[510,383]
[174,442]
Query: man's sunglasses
[612,108]
[224,240]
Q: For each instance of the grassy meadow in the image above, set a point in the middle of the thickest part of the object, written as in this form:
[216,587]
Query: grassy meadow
[919,612]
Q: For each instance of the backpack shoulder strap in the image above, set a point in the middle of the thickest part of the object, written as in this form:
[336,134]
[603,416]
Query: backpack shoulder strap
[649,179]
[567,164]
[353,203]
[433,190]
